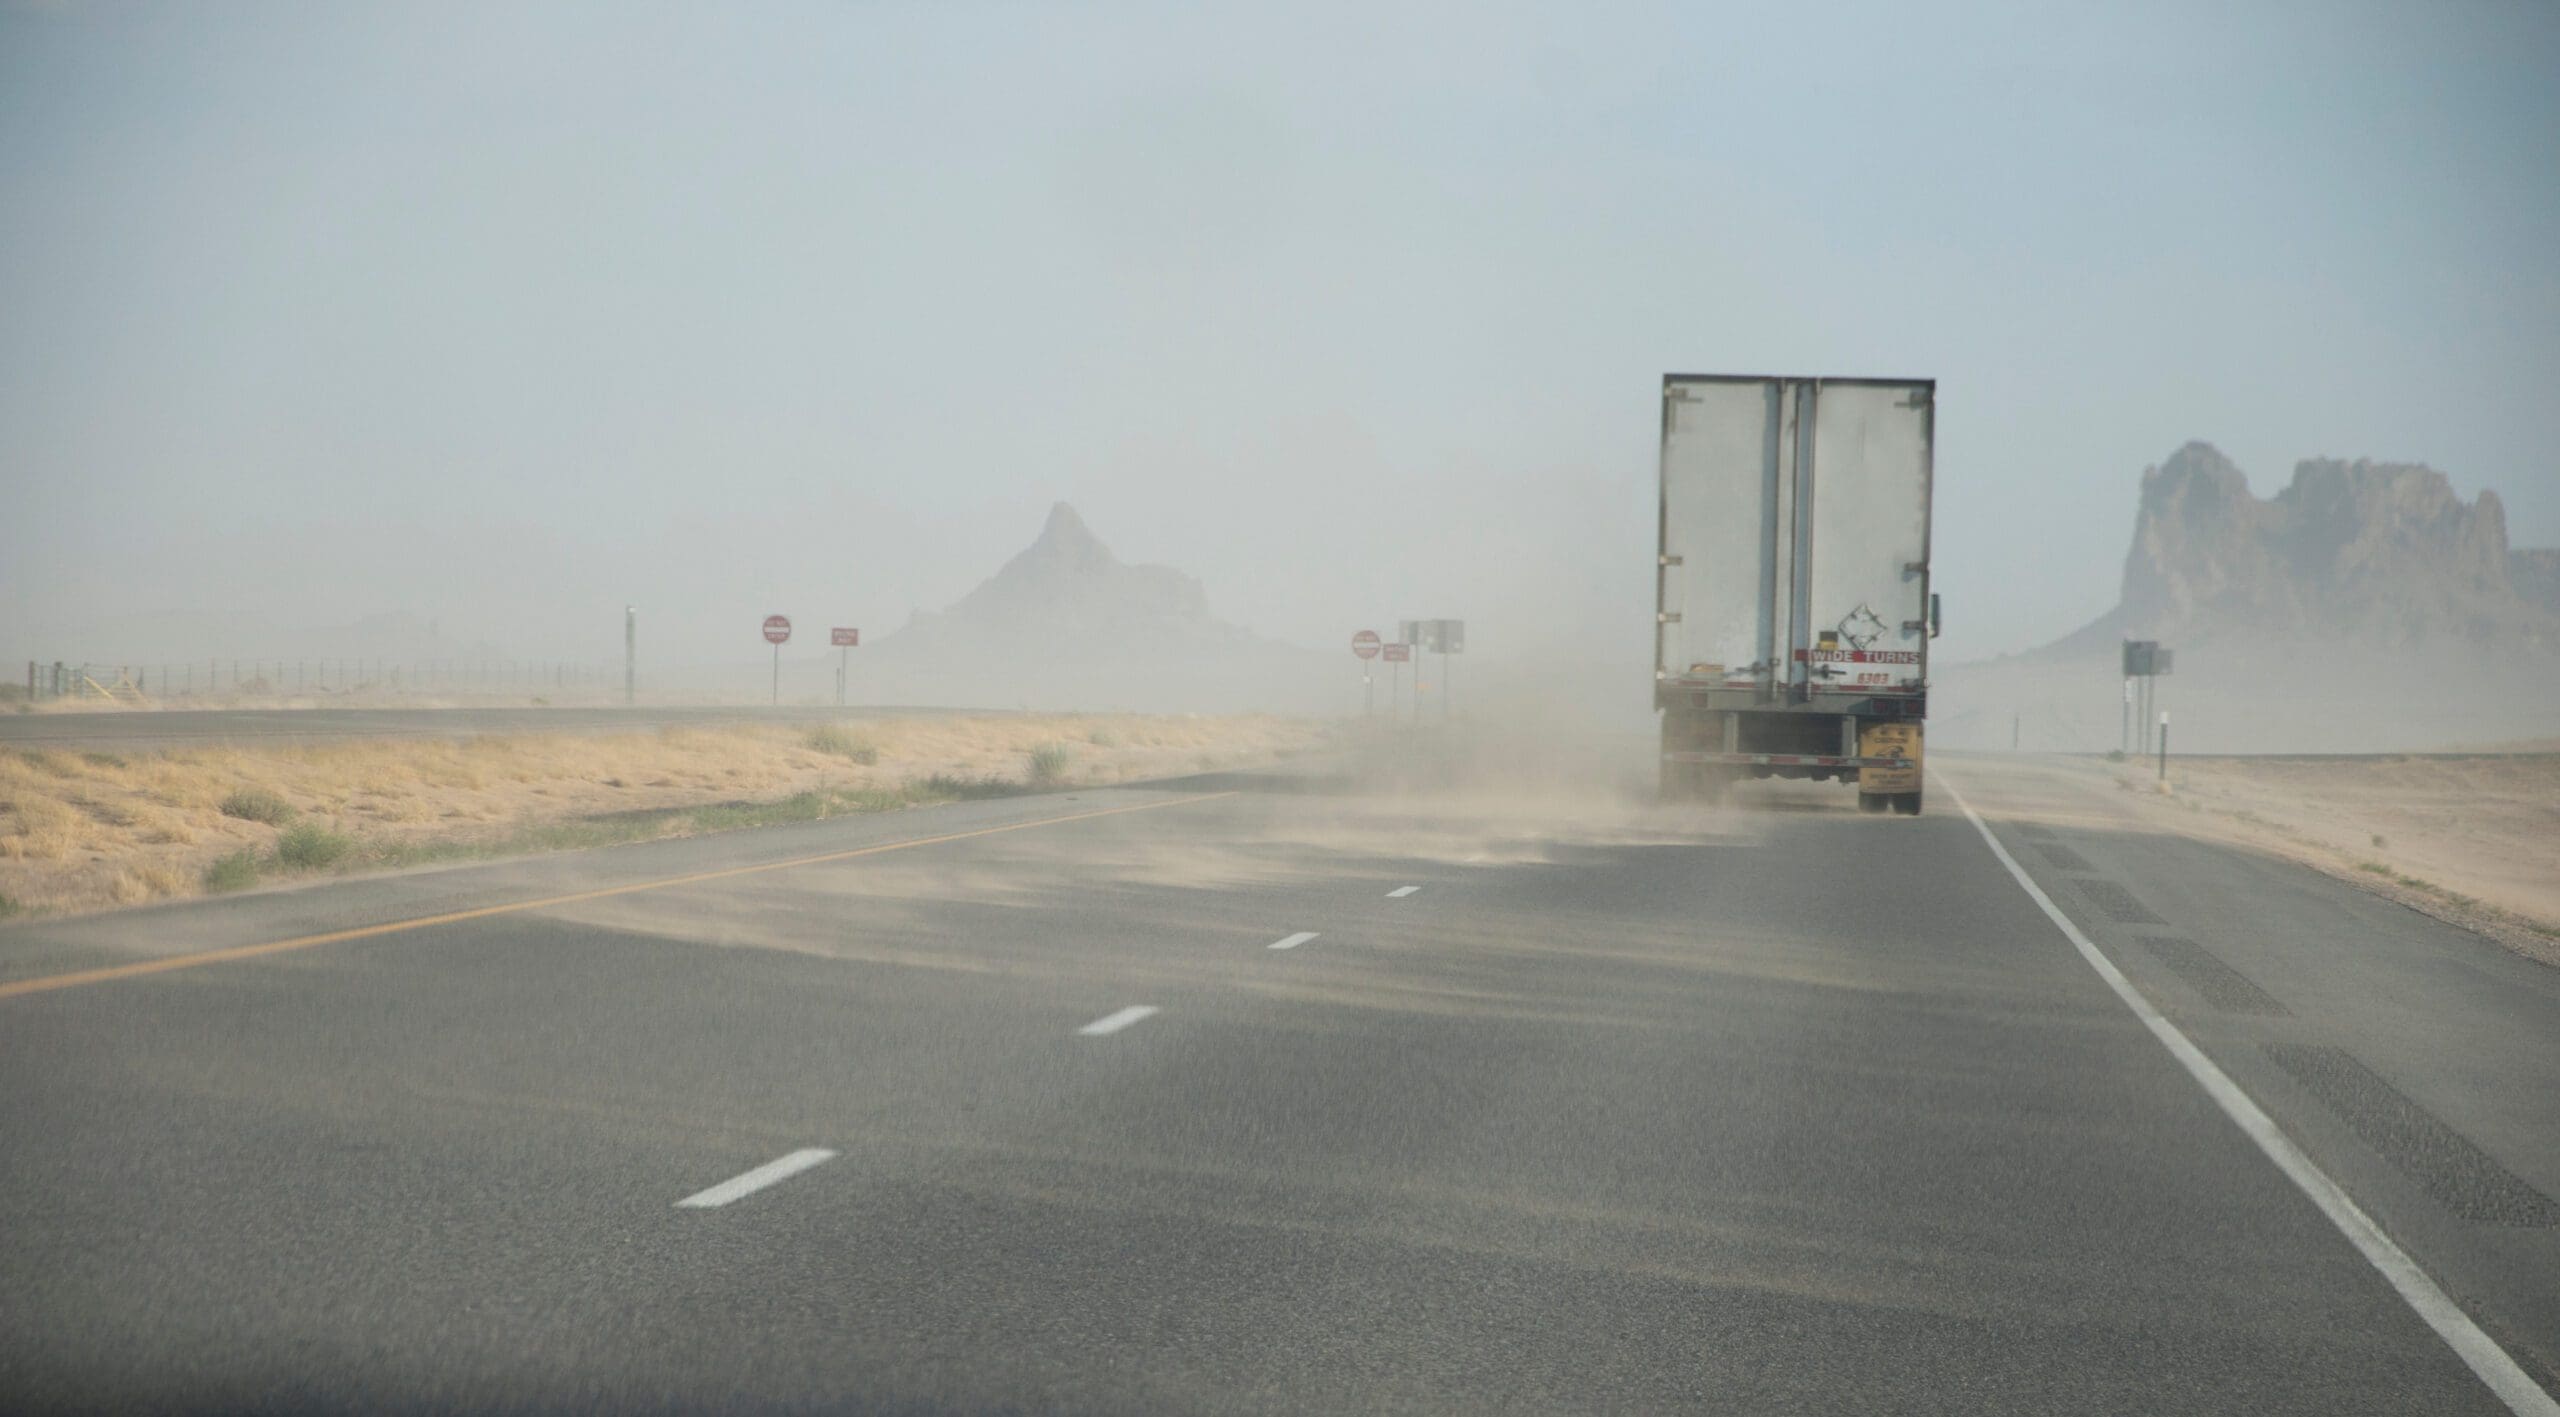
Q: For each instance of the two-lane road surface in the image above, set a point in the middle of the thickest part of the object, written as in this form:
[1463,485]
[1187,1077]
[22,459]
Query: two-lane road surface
[1283,1101]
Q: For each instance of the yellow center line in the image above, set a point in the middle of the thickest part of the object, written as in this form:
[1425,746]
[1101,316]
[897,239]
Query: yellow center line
[51,982]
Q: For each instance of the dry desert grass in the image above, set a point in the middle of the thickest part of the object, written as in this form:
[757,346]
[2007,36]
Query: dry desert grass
[84,831]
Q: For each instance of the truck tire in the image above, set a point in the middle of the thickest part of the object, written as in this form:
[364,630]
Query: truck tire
[1874,803]
[1907,803]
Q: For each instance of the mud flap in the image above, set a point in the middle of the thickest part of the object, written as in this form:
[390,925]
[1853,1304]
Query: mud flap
[1890,740]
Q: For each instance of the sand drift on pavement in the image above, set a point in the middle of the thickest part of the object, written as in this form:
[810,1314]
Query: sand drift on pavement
[86,831]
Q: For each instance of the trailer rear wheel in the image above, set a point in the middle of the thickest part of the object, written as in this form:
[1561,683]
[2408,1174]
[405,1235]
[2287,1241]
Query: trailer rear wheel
[1907,803]
[1874,803]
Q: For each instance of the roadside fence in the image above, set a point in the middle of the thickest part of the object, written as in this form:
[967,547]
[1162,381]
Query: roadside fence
[135,684]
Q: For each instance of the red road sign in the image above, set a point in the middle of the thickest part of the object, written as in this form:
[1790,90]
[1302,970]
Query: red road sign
[1398,654]
[777,628]
[845,636]
[1365,644]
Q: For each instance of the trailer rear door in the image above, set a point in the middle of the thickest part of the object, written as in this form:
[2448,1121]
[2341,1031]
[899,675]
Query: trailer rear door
[1726,495]
[1795,532]
[1865,575]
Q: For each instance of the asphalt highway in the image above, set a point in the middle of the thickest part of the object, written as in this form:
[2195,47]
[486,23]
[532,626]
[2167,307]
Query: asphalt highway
[1275,1094]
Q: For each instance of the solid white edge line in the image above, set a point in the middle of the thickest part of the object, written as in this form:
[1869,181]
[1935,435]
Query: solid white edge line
[748,1183]
[1113,1023]
[1401,892]
[1293,941]
[2481,1353]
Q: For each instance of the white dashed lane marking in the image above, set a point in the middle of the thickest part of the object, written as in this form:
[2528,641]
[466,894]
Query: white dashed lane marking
[1113,1023]
[1293,941]
[753,1181]
[1401,892]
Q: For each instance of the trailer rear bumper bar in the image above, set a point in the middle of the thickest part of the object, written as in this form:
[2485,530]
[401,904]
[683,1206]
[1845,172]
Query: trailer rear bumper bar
[1788,760]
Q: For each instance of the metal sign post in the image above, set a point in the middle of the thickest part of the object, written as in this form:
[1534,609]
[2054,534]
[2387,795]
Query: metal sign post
[1409,634]
[1446,637]
[777,628]
[1453,640]
[1365,645]
[2164,746]
[2145,660]
[844,637]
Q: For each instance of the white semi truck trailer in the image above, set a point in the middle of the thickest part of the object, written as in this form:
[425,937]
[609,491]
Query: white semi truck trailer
[1792,609]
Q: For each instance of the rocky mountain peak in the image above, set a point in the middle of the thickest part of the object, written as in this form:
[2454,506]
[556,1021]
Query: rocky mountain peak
[2386,551]
[1066,540]
[1066,622]
[1068,587]
[2536,576]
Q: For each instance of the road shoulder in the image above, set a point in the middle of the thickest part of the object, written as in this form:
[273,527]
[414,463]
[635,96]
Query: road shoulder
[2410,1058]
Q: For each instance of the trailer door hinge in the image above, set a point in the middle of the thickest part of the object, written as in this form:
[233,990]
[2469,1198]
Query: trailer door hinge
[1915,568]
[1667,617]
[1913,627]
[1672,561]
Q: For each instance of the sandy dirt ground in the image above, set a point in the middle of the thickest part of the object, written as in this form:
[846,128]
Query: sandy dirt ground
[84,831]
[2474,840]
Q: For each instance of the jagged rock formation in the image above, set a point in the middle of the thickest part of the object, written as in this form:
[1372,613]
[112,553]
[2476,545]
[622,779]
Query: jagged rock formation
[2365,607]
[2536,576]
[2384,553]
[1068,587]
[1067,624]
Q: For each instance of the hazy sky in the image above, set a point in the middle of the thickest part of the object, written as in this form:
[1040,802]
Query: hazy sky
[508,315]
